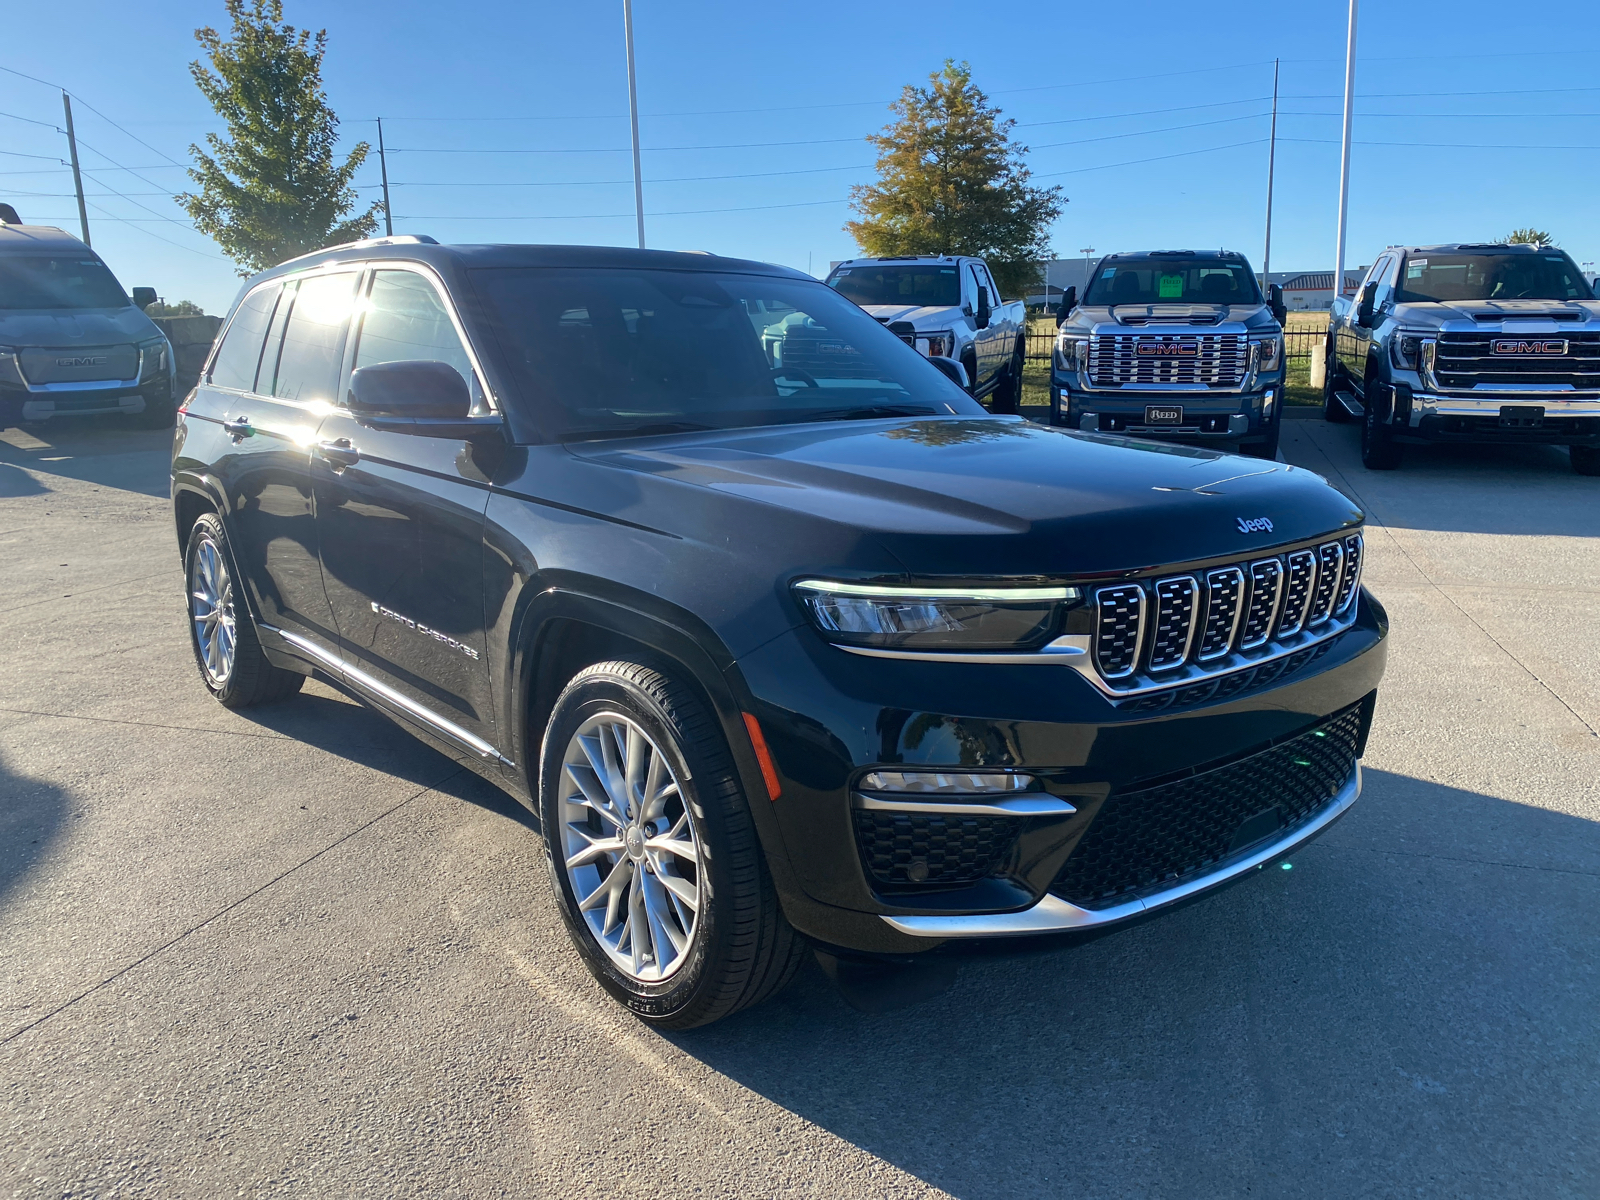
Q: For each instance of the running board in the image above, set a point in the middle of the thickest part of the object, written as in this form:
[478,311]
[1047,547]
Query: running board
[1350,404]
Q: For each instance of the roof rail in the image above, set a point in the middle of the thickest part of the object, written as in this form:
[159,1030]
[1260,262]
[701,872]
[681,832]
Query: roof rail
[398,239]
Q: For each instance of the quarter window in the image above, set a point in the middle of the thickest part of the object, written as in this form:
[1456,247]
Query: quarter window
[313,339]
[240,352]
[406,321]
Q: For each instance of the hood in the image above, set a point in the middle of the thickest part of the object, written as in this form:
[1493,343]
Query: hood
[985,496]
[930,318]
[1490,315]
[79,327]
[1167,317]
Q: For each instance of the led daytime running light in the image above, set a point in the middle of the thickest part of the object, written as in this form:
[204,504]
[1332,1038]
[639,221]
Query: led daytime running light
[879,591]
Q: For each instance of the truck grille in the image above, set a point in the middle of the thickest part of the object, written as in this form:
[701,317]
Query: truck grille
[1161,835]
[829,357]
[1463,360]
[79,364]
[1185,627]
[1198,359]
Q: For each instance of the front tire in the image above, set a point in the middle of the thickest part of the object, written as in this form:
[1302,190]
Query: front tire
[157,414]
[1585,459]
[1379,450]
[222,633]
[653,855]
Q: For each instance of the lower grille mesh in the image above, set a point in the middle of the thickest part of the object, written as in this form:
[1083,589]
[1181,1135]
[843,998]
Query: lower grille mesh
[1164,833]
[917,848]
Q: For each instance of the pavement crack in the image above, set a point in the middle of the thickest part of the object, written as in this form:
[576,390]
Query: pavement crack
[1477,862]
[229,907]
[86,591]
[30,712]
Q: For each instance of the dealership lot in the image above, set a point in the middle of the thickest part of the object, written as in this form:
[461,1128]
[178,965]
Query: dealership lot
[294,952]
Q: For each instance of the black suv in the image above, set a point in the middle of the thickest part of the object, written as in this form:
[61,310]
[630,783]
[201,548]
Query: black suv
[776,653]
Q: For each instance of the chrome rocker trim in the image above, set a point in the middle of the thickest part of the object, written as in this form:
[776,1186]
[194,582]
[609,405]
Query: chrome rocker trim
[360,679]
[1055,915]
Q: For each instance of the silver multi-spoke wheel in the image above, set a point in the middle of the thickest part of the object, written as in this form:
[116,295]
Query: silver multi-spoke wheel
[211,610]
[630,847]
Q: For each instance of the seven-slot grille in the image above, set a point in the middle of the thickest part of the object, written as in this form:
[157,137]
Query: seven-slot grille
[1164,624]
[1201,359]
[1463,360]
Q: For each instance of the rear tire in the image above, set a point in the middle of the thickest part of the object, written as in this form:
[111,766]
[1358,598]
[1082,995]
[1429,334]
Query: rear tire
[696,931]
[222,632]
[1008,396]
[1585,459]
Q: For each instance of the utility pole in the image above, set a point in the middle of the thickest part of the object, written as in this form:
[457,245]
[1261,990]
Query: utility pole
[1344,160]
[1272,157]
[633,115]
[383,168]
[77,178]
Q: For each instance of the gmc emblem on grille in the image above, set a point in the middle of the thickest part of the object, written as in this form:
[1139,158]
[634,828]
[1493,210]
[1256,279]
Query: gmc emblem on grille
[1254,525]
[1167,349]
[87,360]
[1517,346]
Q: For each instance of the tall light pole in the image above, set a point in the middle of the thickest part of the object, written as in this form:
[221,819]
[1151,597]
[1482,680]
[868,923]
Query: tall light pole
[1086,251]
[633,115]
[1344,160]
[1272,156]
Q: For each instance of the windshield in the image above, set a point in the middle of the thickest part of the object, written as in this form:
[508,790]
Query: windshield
[1547,275]
[58,281]
[1172,281]
[613,353]
[925,285]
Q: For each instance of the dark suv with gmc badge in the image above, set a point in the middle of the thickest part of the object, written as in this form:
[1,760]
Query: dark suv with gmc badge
[779,656]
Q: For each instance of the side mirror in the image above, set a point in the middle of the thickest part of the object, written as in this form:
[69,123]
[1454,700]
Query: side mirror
[953,371]
[1280,312]
[143,298]
[1069,301]
[985,310]
[409,388]
[1364,308]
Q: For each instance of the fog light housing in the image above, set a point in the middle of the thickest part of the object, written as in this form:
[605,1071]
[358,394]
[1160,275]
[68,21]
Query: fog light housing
[954,783]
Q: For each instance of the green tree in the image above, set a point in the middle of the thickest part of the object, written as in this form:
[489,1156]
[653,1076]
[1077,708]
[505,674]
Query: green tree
[271,188]
[1530,237]
[951,181]
[183,308]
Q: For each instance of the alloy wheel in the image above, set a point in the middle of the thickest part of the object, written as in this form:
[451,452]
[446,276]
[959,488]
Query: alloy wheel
[211,610]
[630,847]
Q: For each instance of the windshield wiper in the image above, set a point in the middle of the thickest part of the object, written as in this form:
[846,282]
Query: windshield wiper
[871,412]
[582,435]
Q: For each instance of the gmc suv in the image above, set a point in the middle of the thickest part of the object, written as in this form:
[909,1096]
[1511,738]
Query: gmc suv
[779,656]
[1468,343]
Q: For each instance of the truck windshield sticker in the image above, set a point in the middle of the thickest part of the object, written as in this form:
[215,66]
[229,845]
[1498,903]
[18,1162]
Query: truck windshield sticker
[1414,267]
[1171,287]
[1108,273]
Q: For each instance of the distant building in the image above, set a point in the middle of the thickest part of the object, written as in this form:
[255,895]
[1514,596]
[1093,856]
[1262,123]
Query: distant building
[1313,290]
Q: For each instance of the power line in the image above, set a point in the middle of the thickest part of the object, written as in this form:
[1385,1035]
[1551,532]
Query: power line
[615,182]
[1155,158]
[625,149]
[1111,137]
[687,212]
[1143,112]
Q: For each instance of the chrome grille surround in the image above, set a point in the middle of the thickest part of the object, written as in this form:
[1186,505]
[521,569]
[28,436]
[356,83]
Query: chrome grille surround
[1119,630]
[1267,608]
[1217,359]
[1266,597]
[1224,608]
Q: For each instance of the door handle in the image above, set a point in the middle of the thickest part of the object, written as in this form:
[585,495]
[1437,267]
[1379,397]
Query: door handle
[238,429]
[338,454]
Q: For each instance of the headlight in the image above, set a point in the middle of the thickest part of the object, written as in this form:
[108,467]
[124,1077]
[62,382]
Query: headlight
[1071,351]
[1405,350]
[10,367]
[152,357]
[1271,353]
[938,345]
[910,618]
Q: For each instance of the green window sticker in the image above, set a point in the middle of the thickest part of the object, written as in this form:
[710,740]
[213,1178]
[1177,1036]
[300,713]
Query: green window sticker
[1171,287]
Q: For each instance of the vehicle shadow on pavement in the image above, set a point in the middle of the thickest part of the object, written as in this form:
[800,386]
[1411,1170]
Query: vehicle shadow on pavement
[345,727]
[104,455]
[1462,489]
[1415,1005]
[32,815]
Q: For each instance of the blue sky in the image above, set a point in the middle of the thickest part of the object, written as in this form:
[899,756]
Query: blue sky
[507,121]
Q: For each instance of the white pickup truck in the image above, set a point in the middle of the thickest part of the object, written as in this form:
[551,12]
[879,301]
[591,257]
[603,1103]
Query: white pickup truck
[947,306]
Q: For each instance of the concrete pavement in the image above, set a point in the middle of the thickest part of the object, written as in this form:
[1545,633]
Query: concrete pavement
[295,953]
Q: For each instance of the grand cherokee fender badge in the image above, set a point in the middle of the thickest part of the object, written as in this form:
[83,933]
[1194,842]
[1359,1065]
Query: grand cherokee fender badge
[423,629]
[1254,524]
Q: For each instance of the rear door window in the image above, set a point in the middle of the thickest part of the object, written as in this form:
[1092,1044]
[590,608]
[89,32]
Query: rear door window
[313,339]
[240,352]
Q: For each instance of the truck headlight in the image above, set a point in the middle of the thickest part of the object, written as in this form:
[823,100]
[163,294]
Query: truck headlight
[1270,353]
[153,358]
[912,618]
[1405,350]
[1071,352]
[939,345]
[10,367]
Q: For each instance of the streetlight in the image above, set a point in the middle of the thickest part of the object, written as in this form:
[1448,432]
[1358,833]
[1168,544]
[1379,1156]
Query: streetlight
[633,116]
[1086,251]
[1344,160]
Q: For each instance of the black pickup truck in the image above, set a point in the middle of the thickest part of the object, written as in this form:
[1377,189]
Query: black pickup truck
[1468,343]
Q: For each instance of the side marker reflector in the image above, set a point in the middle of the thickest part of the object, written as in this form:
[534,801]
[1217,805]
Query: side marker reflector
[769,773]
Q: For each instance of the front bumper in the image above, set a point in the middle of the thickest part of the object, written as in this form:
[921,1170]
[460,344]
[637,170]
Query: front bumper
[829,717]
[1208,416]
[1442,418]
[17,406]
